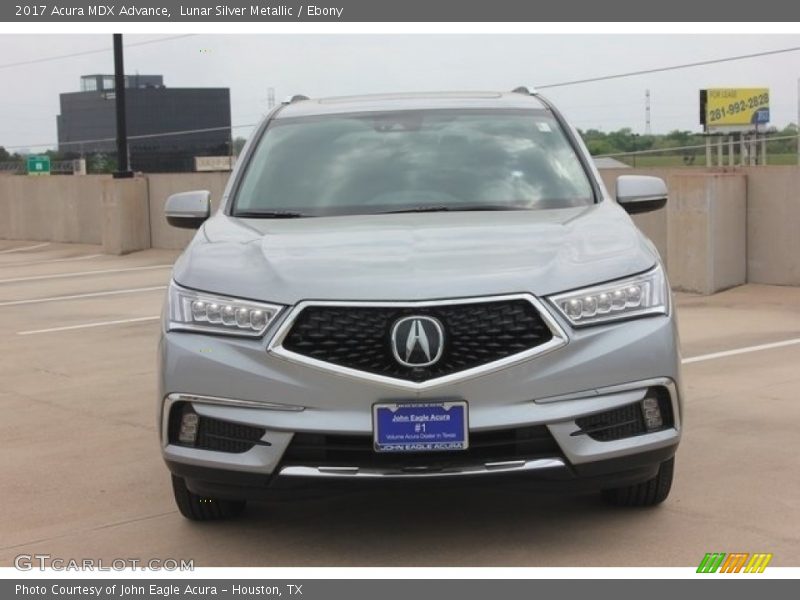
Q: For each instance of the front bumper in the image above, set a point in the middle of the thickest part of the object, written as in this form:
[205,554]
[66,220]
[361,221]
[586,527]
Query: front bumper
[599,369]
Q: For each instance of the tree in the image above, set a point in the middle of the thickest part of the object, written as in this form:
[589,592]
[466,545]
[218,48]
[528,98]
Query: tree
[238,144]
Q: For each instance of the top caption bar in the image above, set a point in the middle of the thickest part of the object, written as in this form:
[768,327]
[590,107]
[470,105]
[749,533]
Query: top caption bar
[465,11]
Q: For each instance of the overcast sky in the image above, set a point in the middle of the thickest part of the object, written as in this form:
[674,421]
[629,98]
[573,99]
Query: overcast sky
[329,65]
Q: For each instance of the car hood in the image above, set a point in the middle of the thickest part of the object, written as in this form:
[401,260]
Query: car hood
[414,256]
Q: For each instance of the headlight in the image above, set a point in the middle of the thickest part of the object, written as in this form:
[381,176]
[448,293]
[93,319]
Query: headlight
[198,311]
[644,294]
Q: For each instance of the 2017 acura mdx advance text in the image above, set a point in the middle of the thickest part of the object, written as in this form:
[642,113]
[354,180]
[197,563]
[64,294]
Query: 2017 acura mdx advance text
[408,287]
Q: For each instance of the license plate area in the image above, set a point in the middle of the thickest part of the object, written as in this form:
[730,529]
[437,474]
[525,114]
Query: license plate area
[420,426]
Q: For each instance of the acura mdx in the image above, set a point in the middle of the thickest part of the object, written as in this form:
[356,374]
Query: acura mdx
[417,287]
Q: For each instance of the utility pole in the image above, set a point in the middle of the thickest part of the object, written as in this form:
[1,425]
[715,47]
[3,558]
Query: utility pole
[647,112]
[798,121]
[270,98]
[123,165]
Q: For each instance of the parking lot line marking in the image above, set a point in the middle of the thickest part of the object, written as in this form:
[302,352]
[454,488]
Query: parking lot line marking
[52,260]
[745,350]
[83,273]
[23,248]
[88,325]
[87,295]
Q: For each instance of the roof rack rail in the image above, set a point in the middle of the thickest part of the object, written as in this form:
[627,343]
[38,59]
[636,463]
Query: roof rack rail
[295,98]
[523,89]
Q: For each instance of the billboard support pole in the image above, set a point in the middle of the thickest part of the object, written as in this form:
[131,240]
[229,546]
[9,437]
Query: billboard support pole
[708,151]
[748,144]
[742,150]
[731,149]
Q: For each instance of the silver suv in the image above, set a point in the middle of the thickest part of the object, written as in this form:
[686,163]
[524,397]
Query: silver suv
[417,287]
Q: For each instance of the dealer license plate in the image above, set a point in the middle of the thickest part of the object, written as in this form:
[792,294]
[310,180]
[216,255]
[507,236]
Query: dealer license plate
[420,426]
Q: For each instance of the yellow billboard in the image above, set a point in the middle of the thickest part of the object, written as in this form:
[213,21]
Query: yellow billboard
[736,107]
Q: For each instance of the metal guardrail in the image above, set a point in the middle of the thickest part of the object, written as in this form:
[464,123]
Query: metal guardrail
[12,167]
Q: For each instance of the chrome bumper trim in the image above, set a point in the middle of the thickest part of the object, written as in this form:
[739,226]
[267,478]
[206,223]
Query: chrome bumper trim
[233,402]
[412,472]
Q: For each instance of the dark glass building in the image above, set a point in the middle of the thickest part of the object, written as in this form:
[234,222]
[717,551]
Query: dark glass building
[167,127]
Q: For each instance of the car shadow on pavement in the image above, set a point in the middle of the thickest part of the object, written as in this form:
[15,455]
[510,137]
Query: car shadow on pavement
[506,523]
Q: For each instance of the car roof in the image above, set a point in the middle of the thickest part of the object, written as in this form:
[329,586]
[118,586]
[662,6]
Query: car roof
[416,101]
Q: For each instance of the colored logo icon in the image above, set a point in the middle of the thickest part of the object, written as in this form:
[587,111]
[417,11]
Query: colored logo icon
[735,562]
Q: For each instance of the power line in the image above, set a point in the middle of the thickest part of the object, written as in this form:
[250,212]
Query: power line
[143,136]
[701,63]
[547,86]
[87,52]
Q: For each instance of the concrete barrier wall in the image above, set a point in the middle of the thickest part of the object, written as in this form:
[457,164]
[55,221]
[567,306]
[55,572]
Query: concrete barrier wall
[126,215]
[707,232]
[773,225]
[54,208]
[721,227]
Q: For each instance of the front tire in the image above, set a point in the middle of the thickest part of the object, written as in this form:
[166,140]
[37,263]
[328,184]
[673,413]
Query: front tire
[203,508]
[648,493]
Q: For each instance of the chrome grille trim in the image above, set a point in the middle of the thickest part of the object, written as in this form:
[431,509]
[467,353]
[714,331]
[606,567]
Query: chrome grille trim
[559,339]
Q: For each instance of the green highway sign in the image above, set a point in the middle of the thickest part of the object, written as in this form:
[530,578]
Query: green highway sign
[38,165]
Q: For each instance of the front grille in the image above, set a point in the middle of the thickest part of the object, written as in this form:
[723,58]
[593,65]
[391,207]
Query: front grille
[625,421]
[214,434]
[359,337]
[314,449]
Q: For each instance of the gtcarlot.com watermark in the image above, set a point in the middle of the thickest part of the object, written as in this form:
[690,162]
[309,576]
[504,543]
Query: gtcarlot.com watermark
[29,562]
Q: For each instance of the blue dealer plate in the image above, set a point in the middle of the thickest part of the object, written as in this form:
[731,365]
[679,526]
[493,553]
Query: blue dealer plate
[420,427]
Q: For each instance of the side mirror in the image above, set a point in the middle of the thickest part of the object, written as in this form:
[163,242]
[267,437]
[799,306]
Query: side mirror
[641,193]
[188,210]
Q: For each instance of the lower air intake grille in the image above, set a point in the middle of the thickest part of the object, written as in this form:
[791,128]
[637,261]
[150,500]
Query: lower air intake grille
[224,436]
[625,421]
[312,449]
[215,434]
[616,424]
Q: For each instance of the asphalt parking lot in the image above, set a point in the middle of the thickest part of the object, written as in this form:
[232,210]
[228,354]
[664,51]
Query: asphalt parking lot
[81,474]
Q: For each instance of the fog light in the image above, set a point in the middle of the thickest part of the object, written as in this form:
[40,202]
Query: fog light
[188,432]
[652,414]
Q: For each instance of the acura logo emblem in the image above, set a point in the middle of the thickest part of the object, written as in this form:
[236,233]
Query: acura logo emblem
[417,341]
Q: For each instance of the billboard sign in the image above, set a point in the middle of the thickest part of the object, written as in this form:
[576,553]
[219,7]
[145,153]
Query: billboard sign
[734,109]
[213,163]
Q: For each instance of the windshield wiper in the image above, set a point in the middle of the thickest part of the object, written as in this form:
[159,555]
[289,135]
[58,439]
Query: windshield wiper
[269,214]
[454,208]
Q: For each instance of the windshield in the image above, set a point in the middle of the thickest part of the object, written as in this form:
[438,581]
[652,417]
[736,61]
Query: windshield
[411,161]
